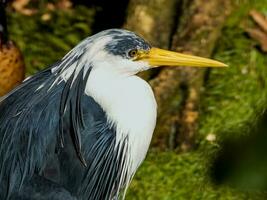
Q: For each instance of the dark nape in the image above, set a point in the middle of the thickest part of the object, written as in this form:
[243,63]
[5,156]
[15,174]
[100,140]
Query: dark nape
[109,14]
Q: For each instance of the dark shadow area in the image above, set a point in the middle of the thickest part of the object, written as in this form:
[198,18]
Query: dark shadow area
[3,23]
[110,14]
[242,162]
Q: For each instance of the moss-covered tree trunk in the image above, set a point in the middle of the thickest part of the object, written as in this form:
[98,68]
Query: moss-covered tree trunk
[155,20]
[165,24]
[198,37]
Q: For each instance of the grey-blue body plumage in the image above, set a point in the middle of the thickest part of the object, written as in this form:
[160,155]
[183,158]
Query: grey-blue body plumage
[31,149]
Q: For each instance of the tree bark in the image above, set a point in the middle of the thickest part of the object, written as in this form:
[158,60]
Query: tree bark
[191,26]
[155,21]
[178,115]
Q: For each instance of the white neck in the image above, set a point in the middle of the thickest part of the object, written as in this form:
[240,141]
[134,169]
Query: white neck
[130,104]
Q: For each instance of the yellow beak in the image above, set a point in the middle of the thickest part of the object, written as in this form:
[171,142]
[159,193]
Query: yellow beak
[159,57]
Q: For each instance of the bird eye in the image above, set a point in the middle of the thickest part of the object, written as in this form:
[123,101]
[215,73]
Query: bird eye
[132,53]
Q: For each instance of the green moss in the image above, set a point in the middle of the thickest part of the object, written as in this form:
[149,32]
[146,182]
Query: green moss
[234,97]
[168,176]
[44,42]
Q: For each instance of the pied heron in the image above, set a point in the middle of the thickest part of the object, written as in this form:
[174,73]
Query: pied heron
[81,128]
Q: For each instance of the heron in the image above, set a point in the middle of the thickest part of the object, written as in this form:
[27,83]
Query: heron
[81,128]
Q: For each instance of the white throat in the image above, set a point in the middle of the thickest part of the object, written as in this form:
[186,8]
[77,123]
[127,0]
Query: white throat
[130,104]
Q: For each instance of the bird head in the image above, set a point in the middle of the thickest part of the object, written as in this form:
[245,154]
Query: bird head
[124,52]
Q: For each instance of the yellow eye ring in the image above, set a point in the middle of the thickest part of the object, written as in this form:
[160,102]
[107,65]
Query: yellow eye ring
[133,53]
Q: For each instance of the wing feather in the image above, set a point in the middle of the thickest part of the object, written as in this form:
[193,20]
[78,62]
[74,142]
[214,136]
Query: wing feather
[32,120]
[49,115]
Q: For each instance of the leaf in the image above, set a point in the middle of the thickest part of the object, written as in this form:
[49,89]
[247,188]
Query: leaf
[260,19]
[259,34]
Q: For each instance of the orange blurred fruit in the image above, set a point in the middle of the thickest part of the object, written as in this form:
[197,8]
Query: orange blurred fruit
[12,68]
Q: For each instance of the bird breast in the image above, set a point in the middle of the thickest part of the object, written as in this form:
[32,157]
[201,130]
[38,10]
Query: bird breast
[130,105]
